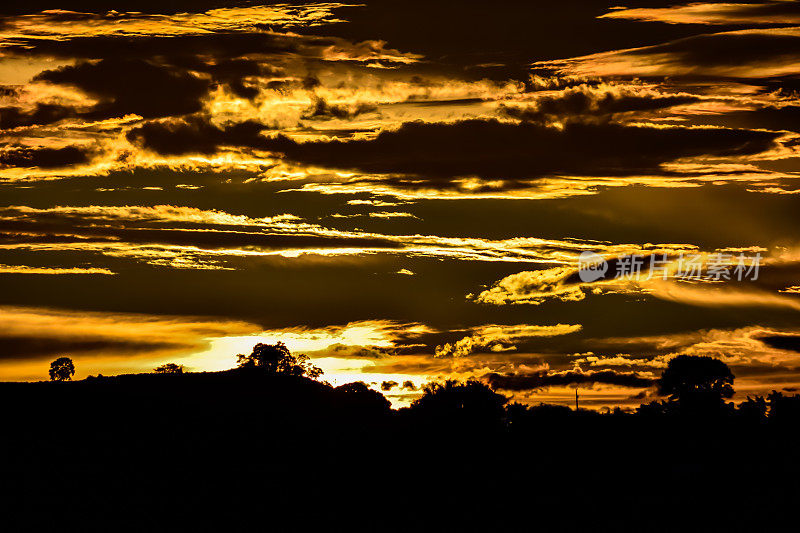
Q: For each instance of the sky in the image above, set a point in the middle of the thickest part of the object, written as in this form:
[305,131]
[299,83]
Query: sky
[404,191]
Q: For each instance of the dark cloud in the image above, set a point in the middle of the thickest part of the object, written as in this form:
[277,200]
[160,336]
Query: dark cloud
[409,385]
[388,385]
[133,86]
[196,135]
[584,102]
[782,342]
[102,7]
[422,101]
[44,157]
[510,33]
[784,85]
[141,86]
[493,149]
[15,117]
[207,238]
[726,50]
[350,351]
[768,117]
[25,347]
[741,12]
[234,73]
[324,110]
[538,380]
[220,53]
[219,46]
[237,73]
[42,238]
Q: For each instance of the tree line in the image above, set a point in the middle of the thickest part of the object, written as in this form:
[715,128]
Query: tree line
[692,386]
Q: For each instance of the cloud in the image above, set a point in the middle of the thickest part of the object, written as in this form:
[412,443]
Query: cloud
[142,214]
[14,117]
[29,331]
[491,149]
[45,158]
[543,379]
[388,385]
[24,269]
[663,280]
[754,53]
[186,237]
[348,351]
[773,117]
[782,342]
[767,13]
[533,287]
[323,110]
[125,86]
[592,102]
[501,338]
[749,349]
[409,385]
[196,135]
[371,339]
[235,42]
[699,295]
[61,25]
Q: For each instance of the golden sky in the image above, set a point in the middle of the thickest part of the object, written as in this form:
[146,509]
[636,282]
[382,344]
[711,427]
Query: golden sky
[402,191]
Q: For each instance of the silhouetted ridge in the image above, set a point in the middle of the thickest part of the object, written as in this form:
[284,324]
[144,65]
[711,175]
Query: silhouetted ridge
[255,445]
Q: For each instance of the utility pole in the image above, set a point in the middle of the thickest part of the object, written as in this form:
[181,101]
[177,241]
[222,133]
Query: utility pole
[576,399]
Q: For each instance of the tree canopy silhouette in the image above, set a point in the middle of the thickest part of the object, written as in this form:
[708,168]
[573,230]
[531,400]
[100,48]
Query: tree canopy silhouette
[62,369]
[696,382]
[169,368]
[471,402]
[359,396]
[277,359]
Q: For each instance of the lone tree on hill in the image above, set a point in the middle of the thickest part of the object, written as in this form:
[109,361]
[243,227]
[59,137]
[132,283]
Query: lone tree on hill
[62,369]
[169,368]
[277,359]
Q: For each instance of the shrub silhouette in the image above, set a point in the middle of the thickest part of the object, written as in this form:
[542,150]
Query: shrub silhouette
[277,359]
[62,369]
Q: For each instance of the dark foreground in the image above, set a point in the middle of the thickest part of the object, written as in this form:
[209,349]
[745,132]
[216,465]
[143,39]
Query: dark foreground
[242,451]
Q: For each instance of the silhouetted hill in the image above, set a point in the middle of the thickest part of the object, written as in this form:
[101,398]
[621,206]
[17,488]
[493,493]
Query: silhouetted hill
[242,450]
[229,406]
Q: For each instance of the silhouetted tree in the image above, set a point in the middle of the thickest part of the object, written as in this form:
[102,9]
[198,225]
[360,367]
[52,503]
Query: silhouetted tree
[472,402]
[277,359]
[696,383]
[654,408]
[753,409]
[360,397]
[783,409]
[169,368]
[519,412]
[62,369]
